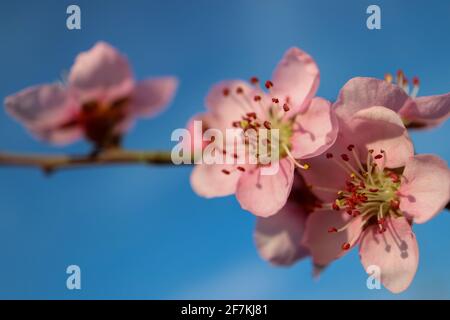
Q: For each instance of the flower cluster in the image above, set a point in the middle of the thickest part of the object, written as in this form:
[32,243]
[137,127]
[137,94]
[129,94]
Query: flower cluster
[346,171]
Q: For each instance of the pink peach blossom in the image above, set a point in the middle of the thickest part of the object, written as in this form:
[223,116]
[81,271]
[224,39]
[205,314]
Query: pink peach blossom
[374,188]
[100,101]
[416,112]
[307,128]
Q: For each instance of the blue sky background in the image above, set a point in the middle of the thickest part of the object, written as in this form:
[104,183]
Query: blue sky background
[141,232]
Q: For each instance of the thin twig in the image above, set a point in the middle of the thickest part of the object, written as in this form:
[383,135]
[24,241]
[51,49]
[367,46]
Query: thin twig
[51,163]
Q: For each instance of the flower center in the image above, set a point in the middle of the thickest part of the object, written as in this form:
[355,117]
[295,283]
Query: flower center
[263,112]
[370,190]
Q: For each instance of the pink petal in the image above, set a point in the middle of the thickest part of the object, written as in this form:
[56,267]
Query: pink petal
[379,128]
[210,181]
[278,237]
[425,188]
[152,95]
[101,73]
[228,108]
[326,246]
[44,110]
[361,93]
[326,173]
[318,128]
[297,77]
[429,111]
[395,252]
[265,195]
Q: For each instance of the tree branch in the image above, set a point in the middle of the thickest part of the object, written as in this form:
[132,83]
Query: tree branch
[51,163]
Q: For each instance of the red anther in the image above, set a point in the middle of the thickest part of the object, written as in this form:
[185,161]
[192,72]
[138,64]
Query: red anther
[254,80]
[349,212]
[332,230]
[235,155]
[239,90]
[226,171]
[382,230]
[374,190]
[395,204]
[350,147]
[251,115]
[329,155]
[275,100]
[394,177]
[318,205]
[267,124]
[356,213]
[236,124]
[345,246]
[257,98]
[285,107]
[335,206]
[399,72]
[381,221]
[416,81]
[362,184]
[226,92]
[378,156]
[371,150]
[269,84]
[242,169]
[345,157]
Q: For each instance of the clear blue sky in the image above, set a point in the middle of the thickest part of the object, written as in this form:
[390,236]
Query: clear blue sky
[142,232]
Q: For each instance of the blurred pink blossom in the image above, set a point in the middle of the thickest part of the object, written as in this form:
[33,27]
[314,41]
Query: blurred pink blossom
[100,101]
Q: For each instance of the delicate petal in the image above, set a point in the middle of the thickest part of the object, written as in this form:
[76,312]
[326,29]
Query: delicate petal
[317,130]
[265,194]
[278,237]
[428,111]
[297,77]
[101,73]
[228,108]
[379,128]
[326,246]
[41,106]
[209,181]
[395,252]
[48,112]
[325,177]
[59,135]
[425,189]
[196,126]
[360,93]
[152,95]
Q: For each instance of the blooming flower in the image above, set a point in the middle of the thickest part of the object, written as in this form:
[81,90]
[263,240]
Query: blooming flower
[419,112]
[99,102]
[306,127]
[374,188]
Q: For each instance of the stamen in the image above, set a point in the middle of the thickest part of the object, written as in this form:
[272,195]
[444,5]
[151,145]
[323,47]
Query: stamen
[226,92]
[239,90]
[345,246]
[267,124]
[388,77]
[332,230]
[285,107]
[254,80]
[289,154]
[269,84]
[226,171]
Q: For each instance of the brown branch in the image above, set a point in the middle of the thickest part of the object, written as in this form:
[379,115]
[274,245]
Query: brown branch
[51,163]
